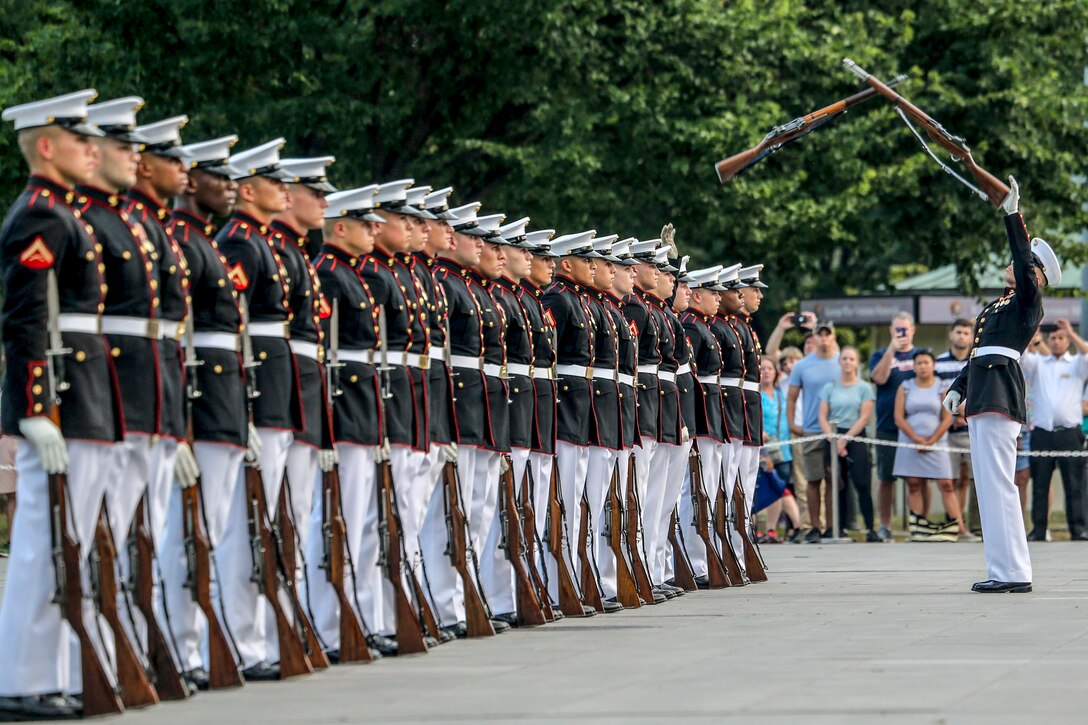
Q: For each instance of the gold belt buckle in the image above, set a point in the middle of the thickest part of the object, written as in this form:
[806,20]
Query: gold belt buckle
[425,361]
[154,331]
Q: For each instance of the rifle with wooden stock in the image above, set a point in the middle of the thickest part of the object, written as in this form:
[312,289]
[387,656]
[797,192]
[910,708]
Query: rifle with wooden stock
[591,591]
[222,665]
[730,561]
[269,573]
[555,525]
[530,610]
[99,695]
[283,528]
[683,574]
[787,133]
[989,186]
[477,614]
[141,556]
[335,558]
[615,529]
[700,506]
[634,535]
[753,562]
[136,687]
[409,620]
[528,527]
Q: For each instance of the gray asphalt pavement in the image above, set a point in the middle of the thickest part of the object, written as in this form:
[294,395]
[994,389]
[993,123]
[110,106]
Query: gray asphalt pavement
[849,633]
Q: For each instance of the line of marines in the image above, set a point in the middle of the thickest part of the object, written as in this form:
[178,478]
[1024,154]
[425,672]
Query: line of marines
[434,425]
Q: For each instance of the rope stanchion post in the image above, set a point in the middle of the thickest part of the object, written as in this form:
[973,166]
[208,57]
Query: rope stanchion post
[833,491]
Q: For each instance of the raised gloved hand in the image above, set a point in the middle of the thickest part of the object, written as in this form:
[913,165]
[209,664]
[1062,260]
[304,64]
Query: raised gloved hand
[327,458]
[186,471]
[382,453]
[450,452]
[44,435]
[1011,204]
[952,401]
[254,443]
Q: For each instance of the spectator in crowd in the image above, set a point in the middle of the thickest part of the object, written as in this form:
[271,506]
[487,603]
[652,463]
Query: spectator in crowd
[1057,382]
[809,376]
[846,406]
[786,360]
[1022,477]
[949,365]
[776,428]
[789,357]
[888,368]
[922,420]
[789,321]
[8,448]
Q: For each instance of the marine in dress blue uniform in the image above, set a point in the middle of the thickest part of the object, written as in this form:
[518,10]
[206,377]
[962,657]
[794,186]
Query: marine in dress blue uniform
[44,234]
[990,391]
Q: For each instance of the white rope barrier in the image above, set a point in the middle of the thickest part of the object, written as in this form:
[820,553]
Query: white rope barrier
[915,446]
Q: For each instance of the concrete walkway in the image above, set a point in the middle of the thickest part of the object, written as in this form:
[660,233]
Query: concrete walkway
[849,633]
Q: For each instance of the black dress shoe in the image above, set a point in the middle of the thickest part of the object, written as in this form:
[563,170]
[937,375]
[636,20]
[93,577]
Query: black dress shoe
[588,611]
[1037,535]
[197,676]
[39,707]
[333,655]
[557,613]
[658,597]
[430,642]
[459,630]
[611,606]
[444,636]
[385,646]
[678,591]
[1078,536]
[702,582]
[261,672]
[668,593]
[511,618]
[992,586]
[499,625]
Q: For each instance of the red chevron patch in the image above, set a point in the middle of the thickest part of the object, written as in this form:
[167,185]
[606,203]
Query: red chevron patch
[37,255]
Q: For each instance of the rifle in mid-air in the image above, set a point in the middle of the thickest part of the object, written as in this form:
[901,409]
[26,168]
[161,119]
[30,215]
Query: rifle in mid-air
[99,695]
[989,186]
[335,558]
[787,133]
[222,666]
[269,573]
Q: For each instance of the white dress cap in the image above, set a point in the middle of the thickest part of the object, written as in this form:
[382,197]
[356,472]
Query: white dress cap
[438,203]
[603,245]
[415,205]
[68,111]
[491,223]
[356,203]
[749,277]
[577,245]
[514,232]
[117,118]
[727,277]
[309,172]
[706,278]
[393,194]
[163,137]
[1048,261]
[646,250]
[263,160]
[211,156]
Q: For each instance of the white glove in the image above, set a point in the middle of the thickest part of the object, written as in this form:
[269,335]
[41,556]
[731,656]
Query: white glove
[186,471]
[255,445]
[1011,205]
[44,435]
[685,436]
[951,402]
[382,453]
[327,459]
[504,464]
[450,452]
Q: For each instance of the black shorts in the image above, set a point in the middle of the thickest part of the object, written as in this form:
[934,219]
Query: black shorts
[885,455]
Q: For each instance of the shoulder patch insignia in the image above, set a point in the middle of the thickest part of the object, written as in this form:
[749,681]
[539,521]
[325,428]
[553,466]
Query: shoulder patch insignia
[324,309]
[549,318]
[37,255]
[239,277]
[634,327]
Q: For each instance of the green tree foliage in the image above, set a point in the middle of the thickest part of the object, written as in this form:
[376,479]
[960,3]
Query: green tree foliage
[610,114]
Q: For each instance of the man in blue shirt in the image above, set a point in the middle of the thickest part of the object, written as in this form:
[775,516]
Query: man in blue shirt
[889,367]
[809,376]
